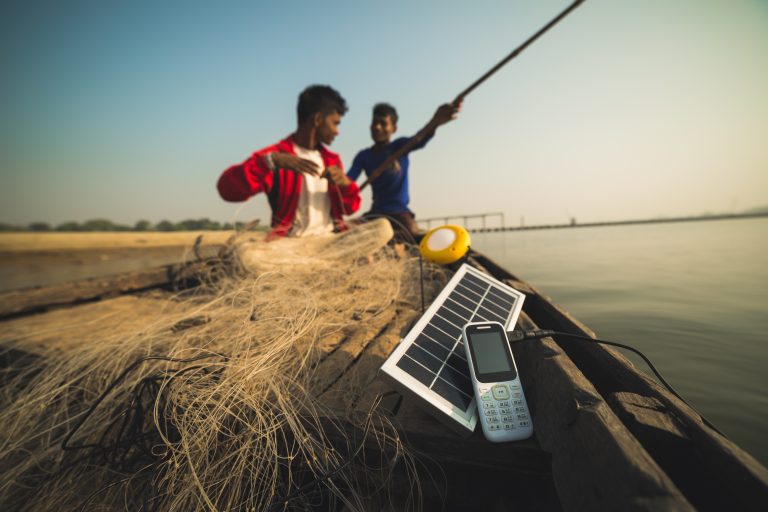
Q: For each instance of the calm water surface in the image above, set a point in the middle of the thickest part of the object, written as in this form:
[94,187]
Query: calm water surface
[692,296]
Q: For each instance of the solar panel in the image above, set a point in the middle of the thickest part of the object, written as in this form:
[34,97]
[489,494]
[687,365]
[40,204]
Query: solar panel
[430,363]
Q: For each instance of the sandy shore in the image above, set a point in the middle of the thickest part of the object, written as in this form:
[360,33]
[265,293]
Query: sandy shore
[34,242]
[34,259]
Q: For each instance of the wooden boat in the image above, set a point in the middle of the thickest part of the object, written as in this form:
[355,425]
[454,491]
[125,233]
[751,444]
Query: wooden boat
[607,437]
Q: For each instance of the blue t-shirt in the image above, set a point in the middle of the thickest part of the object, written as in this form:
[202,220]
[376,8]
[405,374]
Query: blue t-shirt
[390,189]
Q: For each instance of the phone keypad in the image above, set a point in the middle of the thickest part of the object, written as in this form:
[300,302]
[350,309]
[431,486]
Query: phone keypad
[500,392]
[503,407]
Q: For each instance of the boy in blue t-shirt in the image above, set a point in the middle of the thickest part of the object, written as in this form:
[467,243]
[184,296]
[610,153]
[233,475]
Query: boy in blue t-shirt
[390,189]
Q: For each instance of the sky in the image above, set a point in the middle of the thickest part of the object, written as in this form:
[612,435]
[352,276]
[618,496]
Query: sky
[625,110]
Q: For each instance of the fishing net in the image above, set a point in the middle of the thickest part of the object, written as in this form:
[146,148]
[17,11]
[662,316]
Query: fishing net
[217,399]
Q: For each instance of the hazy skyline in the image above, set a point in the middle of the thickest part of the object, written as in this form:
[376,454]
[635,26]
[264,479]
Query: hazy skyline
[625,110]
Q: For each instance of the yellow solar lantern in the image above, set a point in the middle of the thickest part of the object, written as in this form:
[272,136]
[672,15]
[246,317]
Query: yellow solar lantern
[445,244]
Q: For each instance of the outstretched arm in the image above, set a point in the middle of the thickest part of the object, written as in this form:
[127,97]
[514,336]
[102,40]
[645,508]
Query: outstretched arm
[444,114]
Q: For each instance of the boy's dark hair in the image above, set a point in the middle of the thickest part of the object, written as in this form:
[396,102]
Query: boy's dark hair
[320,98]
[385,109]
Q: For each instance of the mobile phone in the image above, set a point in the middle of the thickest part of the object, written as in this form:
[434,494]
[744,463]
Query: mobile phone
[501,404]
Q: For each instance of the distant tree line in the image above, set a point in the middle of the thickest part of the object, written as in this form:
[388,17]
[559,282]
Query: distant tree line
[203,224]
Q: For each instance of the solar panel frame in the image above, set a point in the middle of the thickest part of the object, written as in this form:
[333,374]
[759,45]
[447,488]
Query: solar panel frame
[461,288]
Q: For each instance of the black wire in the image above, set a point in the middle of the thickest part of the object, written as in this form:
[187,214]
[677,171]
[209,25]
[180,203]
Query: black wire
[404,229]
[421,281]
[518,336]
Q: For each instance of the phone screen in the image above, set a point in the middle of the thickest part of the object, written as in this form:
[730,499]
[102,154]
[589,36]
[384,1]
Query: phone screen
[490,355]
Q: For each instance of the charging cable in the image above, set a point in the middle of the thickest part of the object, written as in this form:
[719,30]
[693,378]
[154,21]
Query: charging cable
[518,336]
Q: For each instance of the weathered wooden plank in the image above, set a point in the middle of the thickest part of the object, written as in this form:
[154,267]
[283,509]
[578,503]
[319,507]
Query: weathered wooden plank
[332,368]
[16,302]
[441,443]
[69,327]
[358,387]
[739,477]
[447,474]
[331,341]
[597,463]
[674,447]
[647,412]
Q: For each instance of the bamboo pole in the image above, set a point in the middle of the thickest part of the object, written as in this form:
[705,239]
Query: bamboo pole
[430,126]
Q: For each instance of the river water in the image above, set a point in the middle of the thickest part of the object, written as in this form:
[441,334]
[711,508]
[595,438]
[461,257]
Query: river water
[692,296]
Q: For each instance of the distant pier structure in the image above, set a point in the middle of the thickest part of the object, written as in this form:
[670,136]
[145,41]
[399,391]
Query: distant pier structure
[497,221]
[494,221]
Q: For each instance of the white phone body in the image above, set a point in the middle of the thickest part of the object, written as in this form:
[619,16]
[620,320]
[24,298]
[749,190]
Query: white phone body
[501,405]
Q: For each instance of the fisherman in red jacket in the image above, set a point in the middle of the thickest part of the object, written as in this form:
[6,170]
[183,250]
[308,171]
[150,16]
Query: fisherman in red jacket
[304,181]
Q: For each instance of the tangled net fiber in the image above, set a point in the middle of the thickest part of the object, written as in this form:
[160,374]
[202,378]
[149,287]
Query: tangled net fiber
[214,403]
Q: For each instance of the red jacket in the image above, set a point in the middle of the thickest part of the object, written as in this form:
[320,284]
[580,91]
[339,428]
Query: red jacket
[283,187]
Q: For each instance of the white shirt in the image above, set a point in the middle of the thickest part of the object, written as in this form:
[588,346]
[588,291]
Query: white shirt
[313,215]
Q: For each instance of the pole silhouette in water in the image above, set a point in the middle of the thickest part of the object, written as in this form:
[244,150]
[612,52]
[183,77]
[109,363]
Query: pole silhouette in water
[424,131]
